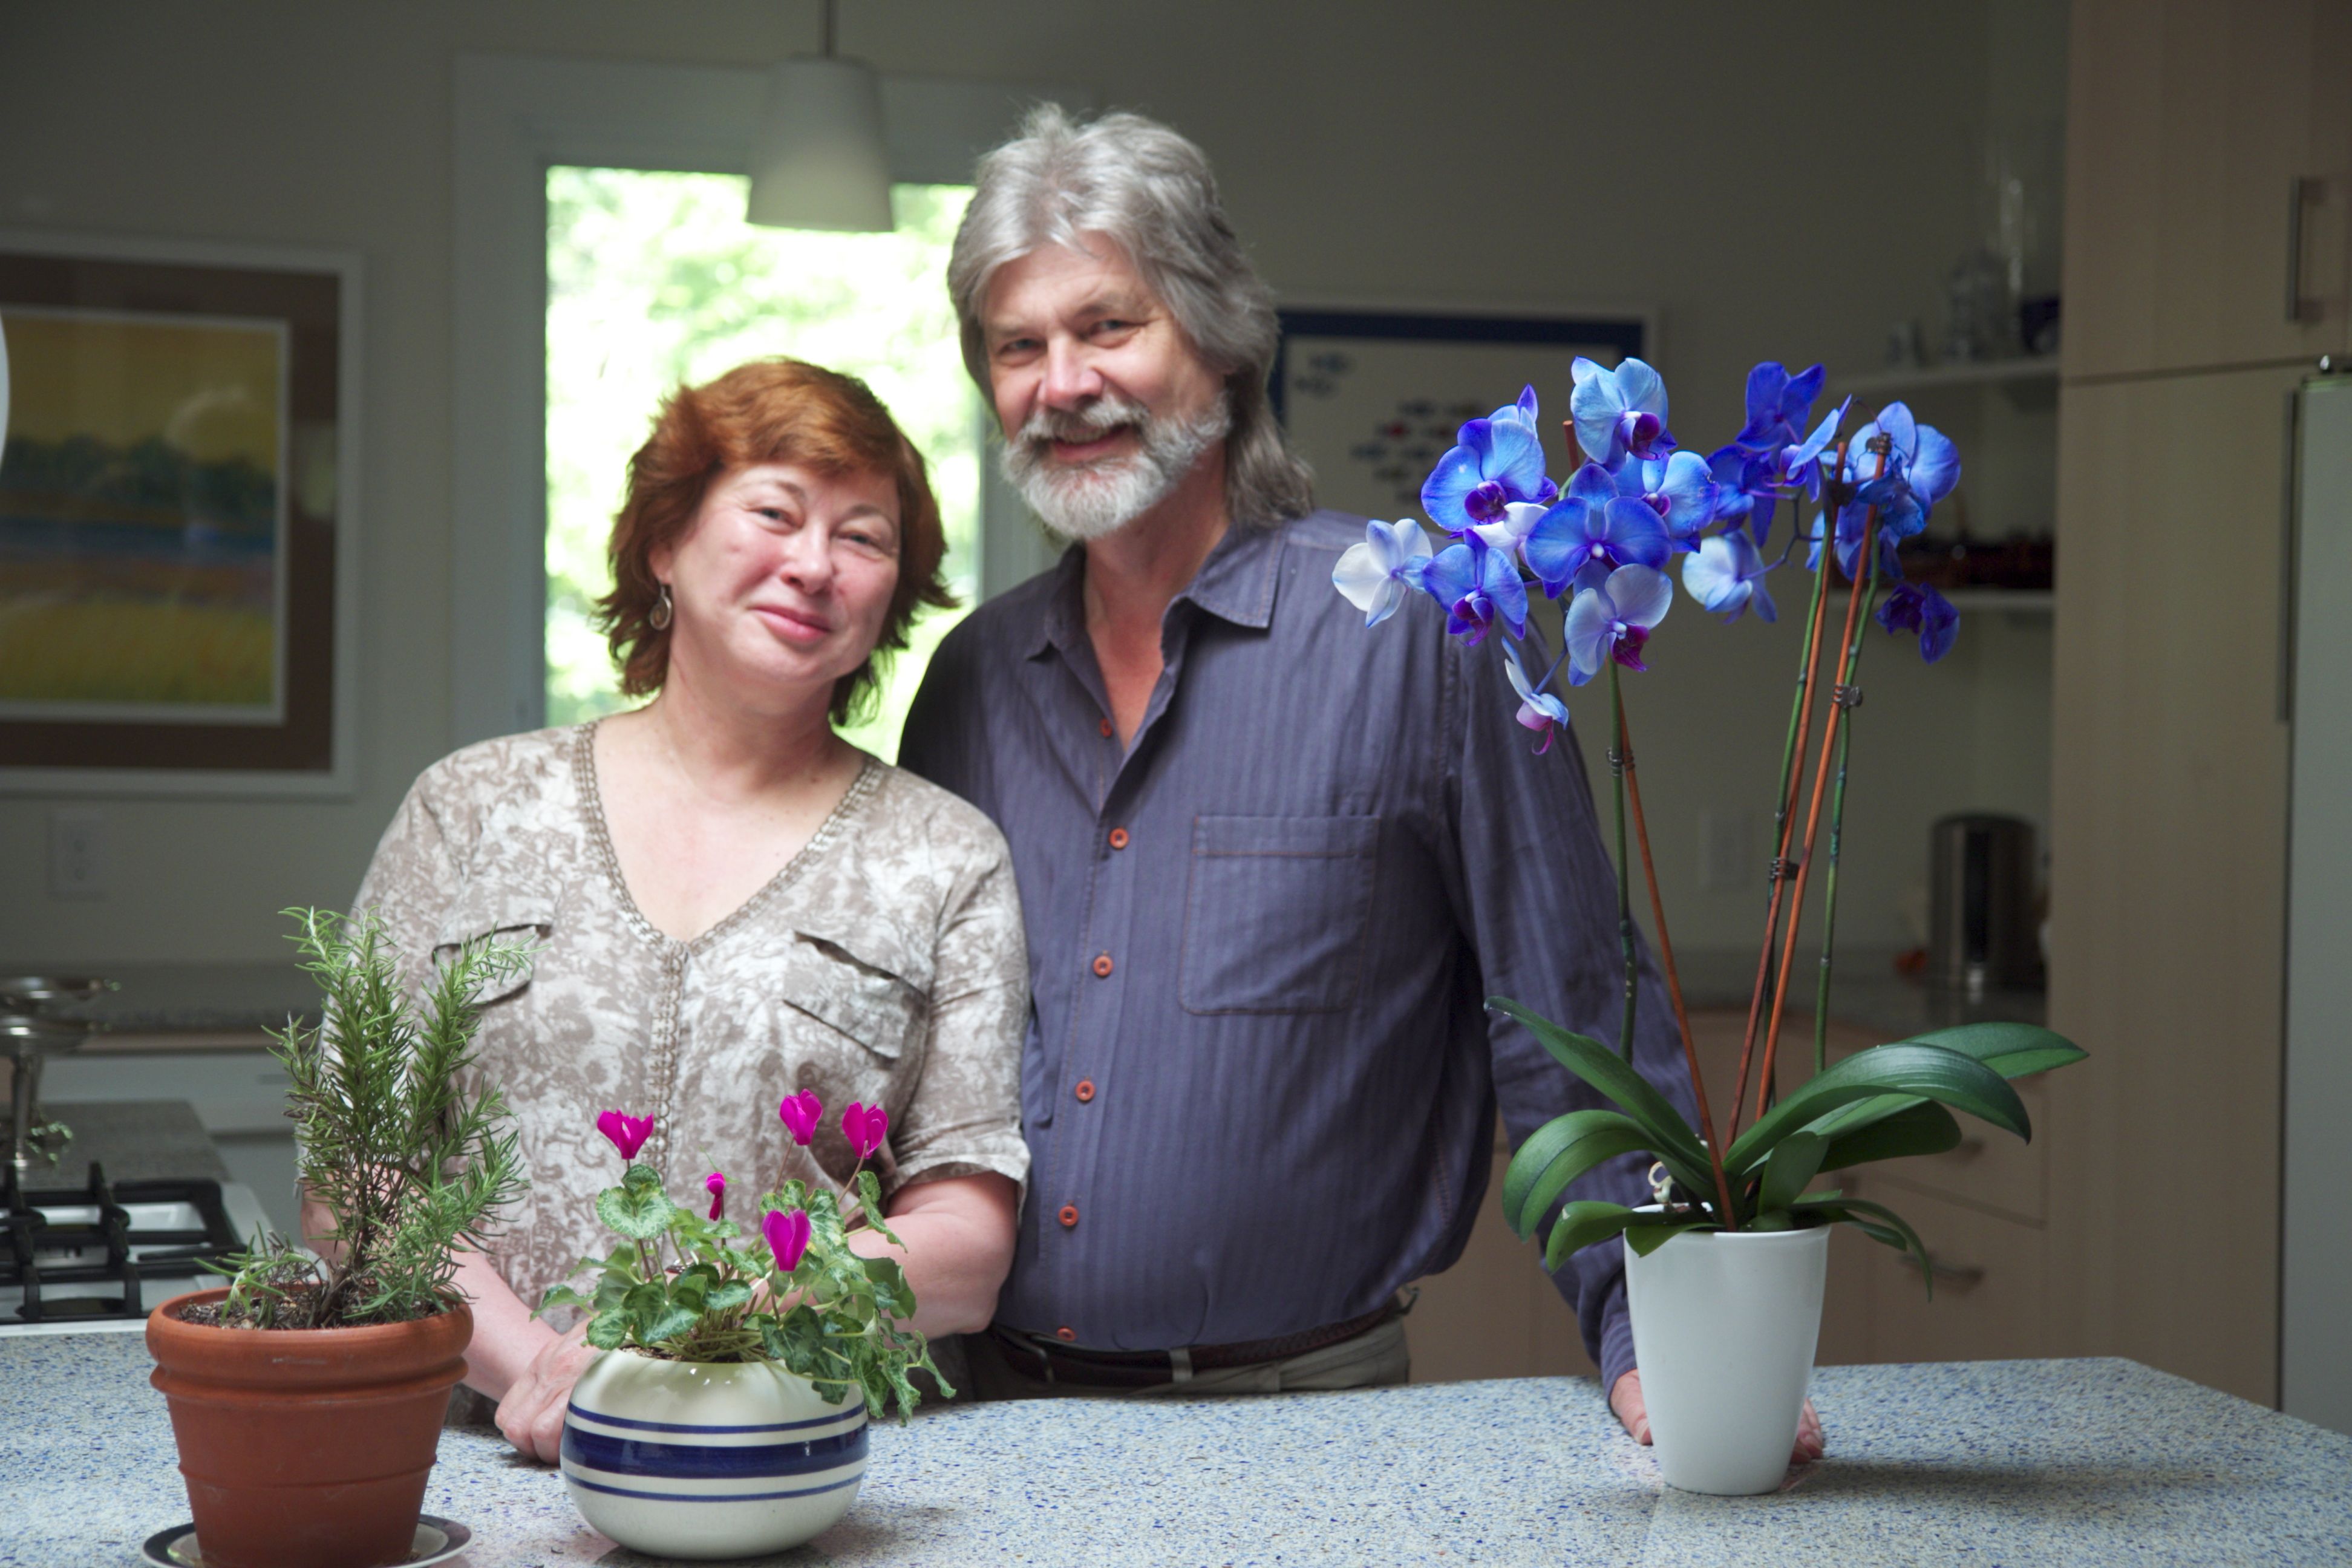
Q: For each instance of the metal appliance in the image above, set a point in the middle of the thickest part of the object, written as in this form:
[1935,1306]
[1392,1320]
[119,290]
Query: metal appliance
[107,1253]
[1981,922]
[37,1023]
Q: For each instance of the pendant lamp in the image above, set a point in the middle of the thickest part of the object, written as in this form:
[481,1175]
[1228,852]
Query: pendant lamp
[818,161]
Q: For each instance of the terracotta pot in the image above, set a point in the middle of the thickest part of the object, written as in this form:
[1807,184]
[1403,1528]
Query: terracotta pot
[305,1447]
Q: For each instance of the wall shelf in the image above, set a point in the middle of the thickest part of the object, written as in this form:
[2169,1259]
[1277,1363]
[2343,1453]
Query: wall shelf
[2026,600]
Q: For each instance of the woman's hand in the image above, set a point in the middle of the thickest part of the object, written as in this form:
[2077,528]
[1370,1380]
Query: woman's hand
[531,1414]
[1633,1412]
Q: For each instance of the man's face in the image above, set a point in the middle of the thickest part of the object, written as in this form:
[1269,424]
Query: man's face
[1106,405]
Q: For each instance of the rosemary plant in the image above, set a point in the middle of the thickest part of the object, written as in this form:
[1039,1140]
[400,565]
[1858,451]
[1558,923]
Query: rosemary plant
[413,1166]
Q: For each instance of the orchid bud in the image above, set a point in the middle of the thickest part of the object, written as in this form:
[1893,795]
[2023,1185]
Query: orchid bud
[787,1237]
[628,1133]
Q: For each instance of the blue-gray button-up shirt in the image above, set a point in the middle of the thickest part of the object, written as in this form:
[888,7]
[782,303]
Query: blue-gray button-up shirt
[1259,1085]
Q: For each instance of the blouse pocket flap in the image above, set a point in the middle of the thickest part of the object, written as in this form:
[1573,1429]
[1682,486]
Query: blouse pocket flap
[502,914]
[865,1001]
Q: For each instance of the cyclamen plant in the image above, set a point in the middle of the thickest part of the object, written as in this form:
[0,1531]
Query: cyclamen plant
[1601,542]
[794,1291]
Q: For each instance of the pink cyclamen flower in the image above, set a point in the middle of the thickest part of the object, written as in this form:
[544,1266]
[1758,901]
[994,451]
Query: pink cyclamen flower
[716,1186]
[787,1235]
[865,1127]
[628,1133]
[800,1112]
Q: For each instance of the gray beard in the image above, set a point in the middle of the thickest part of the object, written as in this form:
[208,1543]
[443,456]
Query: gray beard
[1092,500]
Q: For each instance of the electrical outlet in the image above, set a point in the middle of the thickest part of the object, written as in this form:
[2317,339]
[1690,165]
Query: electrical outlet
[1727,840]
[77,853]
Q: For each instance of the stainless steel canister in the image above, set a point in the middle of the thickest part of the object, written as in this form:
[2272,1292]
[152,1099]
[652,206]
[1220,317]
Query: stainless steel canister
[1981,925]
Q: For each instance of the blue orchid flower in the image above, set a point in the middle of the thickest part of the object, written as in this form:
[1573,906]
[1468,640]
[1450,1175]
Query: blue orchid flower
[1920,467]
[1478,586]
[1679,487]
[1851,521]
[1591,531]
[1495,461]
[1778,405]
[1800,464]
[1539,709]
[1373,575]
[1916,606]
[1613,620]
[1727,575]
[1619,413]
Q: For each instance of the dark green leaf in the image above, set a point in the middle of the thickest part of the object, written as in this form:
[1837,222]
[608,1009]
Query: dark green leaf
[1924,1128]
[1933,1072]
[1794,1162]
[1674,1140]
[1644,1240]
[1556,1154]
[1580,1224]
[2012,1050]
[1861,1214]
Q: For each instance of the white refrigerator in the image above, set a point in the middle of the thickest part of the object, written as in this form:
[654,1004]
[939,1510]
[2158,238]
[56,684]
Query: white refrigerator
[2315,1255]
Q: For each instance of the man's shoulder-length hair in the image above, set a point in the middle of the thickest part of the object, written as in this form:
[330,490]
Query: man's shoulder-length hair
[1150,190]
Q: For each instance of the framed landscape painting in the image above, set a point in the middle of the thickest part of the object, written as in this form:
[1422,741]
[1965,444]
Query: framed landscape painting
[176,536]
[1372,397]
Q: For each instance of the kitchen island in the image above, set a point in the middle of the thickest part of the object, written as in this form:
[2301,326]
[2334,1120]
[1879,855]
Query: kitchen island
[2091,1462]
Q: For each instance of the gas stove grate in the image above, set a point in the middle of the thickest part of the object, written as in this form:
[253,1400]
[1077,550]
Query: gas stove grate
[87,1234]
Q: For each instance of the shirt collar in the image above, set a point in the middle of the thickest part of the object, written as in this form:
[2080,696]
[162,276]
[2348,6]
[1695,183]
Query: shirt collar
[1235,584]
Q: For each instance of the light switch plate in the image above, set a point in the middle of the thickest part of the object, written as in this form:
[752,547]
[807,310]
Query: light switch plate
[78,857]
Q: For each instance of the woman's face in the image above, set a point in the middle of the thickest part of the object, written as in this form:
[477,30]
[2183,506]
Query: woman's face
[783,580]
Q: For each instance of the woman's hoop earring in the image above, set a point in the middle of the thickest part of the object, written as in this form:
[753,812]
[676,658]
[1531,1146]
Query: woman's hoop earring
[660,617]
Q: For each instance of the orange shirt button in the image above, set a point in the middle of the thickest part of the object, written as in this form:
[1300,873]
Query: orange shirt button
[1102,966]
[1118,837]
[1068,1216]
[1106,729]
[1084,1089]
[1067,1334]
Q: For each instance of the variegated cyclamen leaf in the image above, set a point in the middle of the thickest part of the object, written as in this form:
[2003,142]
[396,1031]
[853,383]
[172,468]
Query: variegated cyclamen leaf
[666,1324]
[727,1297]
[609,1331]
[639,1212]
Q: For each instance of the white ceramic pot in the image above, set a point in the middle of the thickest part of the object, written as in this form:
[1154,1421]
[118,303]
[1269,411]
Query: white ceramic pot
[1724,1331]
[705,1460]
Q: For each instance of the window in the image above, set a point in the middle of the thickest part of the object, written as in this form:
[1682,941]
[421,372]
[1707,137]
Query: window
[655,279]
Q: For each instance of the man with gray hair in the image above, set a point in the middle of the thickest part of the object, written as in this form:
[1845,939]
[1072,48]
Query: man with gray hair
[1271,864]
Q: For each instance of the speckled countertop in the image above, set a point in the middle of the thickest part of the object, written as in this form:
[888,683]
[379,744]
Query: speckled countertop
[1983,1463]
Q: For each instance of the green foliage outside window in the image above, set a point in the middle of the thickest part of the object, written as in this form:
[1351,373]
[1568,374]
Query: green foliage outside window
[655,279]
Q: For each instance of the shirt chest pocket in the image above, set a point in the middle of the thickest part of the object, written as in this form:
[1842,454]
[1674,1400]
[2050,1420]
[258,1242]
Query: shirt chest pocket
[855,996]
[1278,912]
[503,915]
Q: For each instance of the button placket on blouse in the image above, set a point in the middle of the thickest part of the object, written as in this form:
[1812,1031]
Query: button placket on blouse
[666,1033]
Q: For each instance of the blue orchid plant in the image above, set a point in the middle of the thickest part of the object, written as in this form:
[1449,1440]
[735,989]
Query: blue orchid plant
[1602,543]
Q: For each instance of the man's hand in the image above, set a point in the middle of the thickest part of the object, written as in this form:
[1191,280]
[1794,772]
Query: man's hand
[532,1414]
[1625,1399]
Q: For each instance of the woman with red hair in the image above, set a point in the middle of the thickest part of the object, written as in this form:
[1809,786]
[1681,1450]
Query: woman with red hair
[729,903]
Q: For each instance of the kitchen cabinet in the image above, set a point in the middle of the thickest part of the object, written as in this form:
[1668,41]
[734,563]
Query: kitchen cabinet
[2168,875]
[2209,163]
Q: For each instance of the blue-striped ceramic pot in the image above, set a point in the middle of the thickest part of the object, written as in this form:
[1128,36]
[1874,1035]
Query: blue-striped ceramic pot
[705,1460]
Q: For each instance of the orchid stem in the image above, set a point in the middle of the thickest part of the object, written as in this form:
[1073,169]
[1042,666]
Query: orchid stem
[1848,699]
[1784,809]
[1725,1214]
[1617,766]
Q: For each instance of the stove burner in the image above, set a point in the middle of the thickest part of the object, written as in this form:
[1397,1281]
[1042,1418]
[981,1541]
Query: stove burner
[70,1237]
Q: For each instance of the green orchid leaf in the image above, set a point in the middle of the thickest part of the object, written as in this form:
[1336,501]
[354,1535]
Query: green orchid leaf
[1644,1240]
[1795,1161]
[1560,1151]
[1922,1128]
[2012,1050]
[608,1330]
[1879,1224]
[638,1211]
[1674,1140]
[1580,1224]
[1931,1072]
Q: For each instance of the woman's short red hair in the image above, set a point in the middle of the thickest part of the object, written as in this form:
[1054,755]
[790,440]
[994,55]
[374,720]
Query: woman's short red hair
[769,411]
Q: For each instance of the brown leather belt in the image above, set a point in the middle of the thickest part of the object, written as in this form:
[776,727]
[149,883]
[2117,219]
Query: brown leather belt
[1049,1361]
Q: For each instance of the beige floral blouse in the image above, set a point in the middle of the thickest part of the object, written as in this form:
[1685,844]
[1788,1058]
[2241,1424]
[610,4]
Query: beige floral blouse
[883,964]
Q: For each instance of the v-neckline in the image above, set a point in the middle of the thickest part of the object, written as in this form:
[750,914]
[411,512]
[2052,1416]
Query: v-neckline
[591,802]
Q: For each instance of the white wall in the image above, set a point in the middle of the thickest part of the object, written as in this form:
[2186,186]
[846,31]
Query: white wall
[1778,188]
